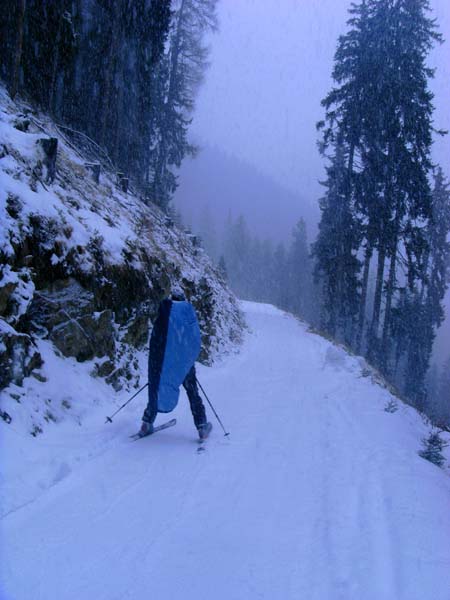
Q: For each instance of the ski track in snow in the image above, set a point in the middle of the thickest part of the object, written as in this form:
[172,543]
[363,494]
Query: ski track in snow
[317,494]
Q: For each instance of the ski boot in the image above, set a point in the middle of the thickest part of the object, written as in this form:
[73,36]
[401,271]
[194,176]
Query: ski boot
[146,429]
[204,430]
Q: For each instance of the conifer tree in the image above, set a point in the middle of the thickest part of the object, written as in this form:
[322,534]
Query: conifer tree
[223,268]
[280,277]
[268,276]
[207,232]
[105,69]
[436,267]
[237,248]
[180,73]
[432,385]
[427,309]
[336,263]
[406,35]
[380,111]
[348,113]
[443,395]
[92,65]
[256,271]
[300,273]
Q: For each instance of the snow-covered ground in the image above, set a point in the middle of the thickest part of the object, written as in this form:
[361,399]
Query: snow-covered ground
[317,494]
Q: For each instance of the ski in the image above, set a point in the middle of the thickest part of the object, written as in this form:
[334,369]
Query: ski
[138,436]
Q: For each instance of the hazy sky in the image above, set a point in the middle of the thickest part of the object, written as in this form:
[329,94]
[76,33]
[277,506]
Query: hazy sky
[270,67]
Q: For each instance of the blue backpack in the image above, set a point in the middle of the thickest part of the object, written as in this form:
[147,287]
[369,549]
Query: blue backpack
[174,347]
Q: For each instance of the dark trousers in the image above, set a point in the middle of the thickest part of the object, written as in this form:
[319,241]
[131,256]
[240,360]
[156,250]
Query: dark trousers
[195,401]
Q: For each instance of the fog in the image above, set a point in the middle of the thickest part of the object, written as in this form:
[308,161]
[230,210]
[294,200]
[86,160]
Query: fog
[229,186]
[271,66]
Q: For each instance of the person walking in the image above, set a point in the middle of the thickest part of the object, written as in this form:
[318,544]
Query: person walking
[174,347]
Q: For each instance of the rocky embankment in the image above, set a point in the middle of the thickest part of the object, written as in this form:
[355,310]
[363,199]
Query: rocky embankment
[84,264]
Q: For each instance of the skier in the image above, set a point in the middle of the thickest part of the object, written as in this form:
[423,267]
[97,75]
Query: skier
[174,348]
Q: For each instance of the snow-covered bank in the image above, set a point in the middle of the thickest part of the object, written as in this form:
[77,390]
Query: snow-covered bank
[318,493]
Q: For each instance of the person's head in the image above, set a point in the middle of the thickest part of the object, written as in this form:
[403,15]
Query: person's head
[177,293]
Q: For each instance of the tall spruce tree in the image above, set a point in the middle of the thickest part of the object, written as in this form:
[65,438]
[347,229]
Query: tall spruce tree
[267,275]
[300,274]
[407,35]
[335,251]
[348,108]
[427,308]
[280,277]
[180,73]
[380,112]
[256,271]
[237,253]
[436,265]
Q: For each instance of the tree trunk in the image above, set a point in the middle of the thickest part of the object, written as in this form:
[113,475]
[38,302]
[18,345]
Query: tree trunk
[167,107]
[391,285]
[115,151]
[383,244]
[111,68]
[57,43]
[424,275]
[389,297]
[341,319]
[14,84]
[362,306]
[377,298]
[175,54]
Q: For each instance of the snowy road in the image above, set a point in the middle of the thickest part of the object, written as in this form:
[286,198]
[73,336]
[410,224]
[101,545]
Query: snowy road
[318,494]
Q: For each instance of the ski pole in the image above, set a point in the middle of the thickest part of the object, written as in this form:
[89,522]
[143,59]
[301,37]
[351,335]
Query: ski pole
[212,407]
[109,419]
